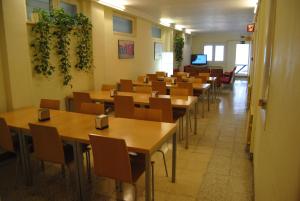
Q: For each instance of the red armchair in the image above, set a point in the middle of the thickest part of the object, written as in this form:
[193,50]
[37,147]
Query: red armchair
[228,76]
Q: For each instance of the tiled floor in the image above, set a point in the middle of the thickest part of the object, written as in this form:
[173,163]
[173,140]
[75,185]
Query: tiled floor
[214,168]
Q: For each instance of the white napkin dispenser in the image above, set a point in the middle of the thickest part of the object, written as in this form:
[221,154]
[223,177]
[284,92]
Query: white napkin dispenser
[188,75]
[43,114]
[154,94]
[113,92]
[146,79]
[173,81]
[101,122]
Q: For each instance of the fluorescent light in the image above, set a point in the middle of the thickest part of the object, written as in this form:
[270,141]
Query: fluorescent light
[117,4]
[179,27]
[254,2]
[166,22]
[188,31]
[255,9]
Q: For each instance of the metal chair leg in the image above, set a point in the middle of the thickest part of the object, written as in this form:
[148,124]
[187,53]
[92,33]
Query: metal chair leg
[18,163]
[152,168]
[63,171]
[43,166]
[164,158]
[88,165]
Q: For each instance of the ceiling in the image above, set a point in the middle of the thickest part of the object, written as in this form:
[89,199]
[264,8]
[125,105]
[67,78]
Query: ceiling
[199,15]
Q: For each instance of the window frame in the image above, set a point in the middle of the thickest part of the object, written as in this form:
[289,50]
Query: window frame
[70,2]
[214,51]
[131,18]
[158,27]
[29,18]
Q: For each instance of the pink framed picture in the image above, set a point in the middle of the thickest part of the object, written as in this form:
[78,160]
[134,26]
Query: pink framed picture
[126,49]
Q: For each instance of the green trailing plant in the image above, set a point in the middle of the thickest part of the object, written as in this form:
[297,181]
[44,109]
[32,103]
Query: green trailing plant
[63,26]
[178,46]
[60,25]
[84,47]
[41,44]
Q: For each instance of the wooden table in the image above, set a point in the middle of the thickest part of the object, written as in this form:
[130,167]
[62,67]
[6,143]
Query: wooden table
[181,102]
[197,87]
[141,136]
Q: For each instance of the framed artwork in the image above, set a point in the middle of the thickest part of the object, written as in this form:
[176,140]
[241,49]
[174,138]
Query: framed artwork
[251,27]
[158,49]
[126,49]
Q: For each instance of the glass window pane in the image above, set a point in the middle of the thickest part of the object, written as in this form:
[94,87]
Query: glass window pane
[122,25]
[71,9]
[208,50]
[36,4]
[242,54]
[156,32]
[219,53]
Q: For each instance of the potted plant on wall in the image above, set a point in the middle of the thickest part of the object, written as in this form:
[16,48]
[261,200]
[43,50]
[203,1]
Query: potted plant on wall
[178,46]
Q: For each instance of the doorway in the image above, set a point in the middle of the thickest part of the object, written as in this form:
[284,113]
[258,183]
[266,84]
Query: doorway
[242,59]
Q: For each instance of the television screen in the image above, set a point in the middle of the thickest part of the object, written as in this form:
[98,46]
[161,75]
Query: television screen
[199,59]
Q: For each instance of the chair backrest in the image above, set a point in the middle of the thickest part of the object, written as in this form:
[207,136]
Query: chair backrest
[92,108]
[152,77]
[163,104]
[47,143]
[148,114]
[124,106]
[168,79]
[204,74]
[111,158]
[160,87]
[141,78]
[143,89]
[180,73]
[79,98]
[198,80]
[6,142]
[176,91]
[50,104]
[188,86]
[108,87]
[203,78]
[179,78]
[160,74]
[126,85]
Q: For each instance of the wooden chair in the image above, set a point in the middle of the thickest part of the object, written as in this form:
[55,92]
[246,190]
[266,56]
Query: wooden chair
[163,104]
[160,87]
[180,73]
[108,87]
[111,160]
[143,89]
[124,106]
[141,78]
[126,85]
[204,74]
[198,80]
[92,108]
[160,74]
[177,91]
[6,142]
[49,147]
[50,104]
[168,80]
[152,77]
[79,98]
[188,86]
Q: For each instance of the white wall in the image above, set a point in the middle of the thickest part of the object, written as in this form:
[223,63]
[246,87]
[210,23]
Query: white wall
[228,39]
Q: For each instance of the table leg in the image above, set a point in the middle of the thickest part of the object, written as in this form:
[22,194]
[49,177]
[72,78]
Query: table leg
[174,150]
[202,101]
[195,118]
[214,91]
[187,129]
[79,172]
[25,158]
[208,97]
[148,177]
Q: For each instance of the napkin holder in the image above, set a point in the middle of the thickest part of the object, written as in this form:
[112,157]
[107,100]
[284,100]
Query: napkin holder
[146,79]
[113,92]
[187,75]
[154,94]
[173,81]
[101,122]
[43,114]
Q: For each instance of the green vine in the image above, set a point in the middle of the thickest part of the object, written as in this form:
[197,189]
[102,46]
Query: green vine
[63,26]
[41,45]
[178,46]
[60,24]
[84,47]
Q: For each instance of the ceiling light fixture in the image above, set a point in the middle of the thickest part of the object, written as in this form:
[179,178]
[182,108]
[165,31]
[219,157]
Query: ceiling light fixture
[179,27]
[188,31]
[116,4]
[166,22]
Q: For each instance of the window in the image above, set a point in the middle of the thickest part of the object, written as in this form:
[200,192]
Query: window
[156,32]
[31,5]
[214,52]
[122,25]
[208,50]
[70,9]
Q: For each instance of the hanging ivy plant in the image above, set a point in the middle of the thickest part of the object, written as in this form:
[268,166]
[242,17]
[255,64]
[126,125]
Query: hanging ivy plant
[178,46]
[60,24]
[84,48]
[41,44]
[63,26]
